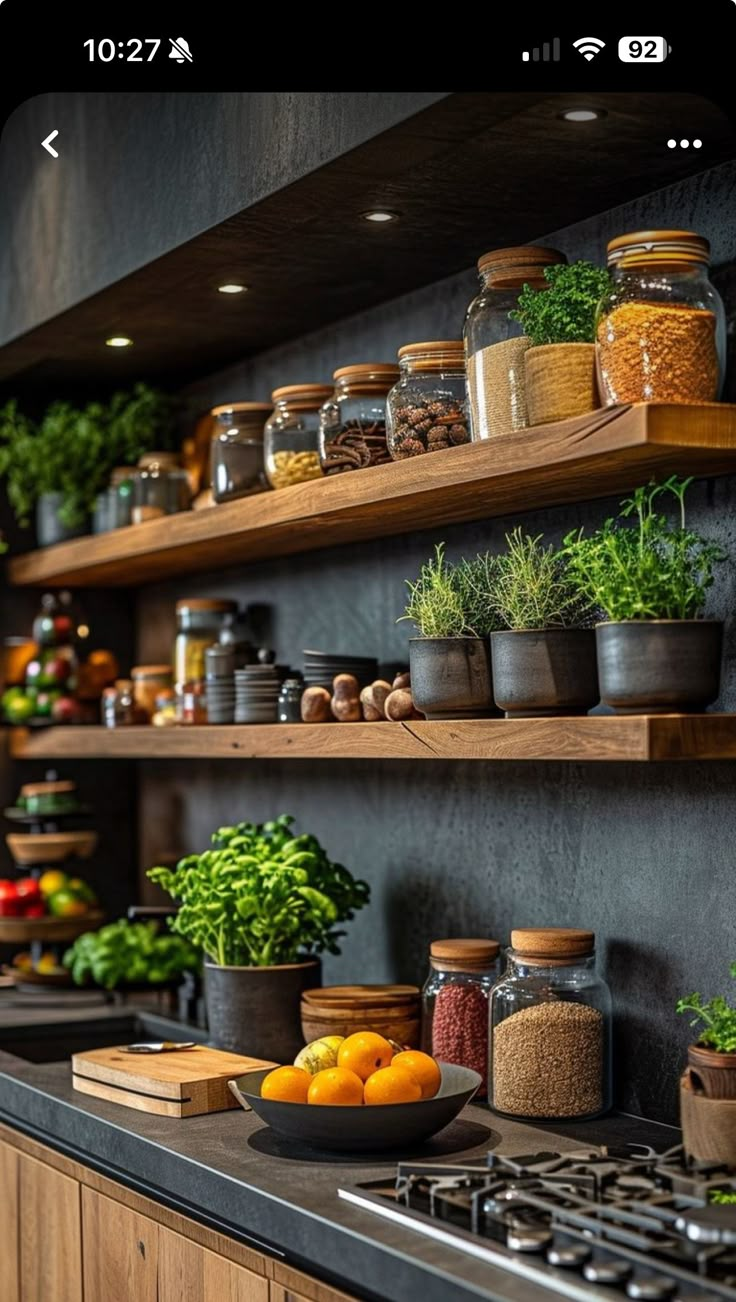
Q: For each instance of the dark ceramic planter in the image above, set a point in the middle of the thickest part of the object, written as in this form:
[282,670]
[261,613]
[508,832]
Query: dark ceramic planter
[657,666]
[451,677]
[49,528]
[712,1073]
[255,1010]
[540,672]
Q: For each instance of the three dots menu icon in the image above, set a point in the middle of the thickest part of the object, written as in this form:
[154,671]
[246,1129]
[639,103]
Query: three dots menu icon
[548,52]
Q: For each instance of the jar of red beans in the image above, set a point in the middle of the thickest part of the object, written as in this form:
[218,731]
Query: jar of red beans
[455,1002]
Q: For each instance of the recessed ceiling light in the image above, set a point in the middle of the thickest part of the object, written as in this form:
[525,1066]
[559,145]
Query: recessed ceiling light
[581,115]
[119,341]
[380,215]
[231,289]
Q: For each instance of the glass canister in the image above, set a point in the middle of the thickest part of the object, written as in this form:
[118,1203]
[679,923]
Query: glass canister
[290,700]
[550,1028]
[661,331]
[199,621]
[148,682]
[236,450]
[160,487]
[352,423]
[455,1002]
[426,410]
[291,436]
[494,344]
[120,497]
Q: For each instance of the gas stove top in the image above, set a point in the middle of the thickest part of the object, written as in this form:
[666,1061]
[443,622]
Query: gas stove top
[594,1223]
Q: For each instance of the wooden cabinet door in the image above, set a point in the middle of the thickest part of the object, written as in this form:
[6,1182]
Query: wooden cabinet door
[120,1252]
[189,1273]
[9,1205]
[50,1234]
[293,1286]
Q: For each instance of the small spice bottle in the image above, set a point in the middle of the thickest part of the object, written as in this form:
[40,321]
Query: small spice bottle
[661,331]
[291,436]
[455,1001]
[550,1028]
[352,423]
[290,700]
[426,409]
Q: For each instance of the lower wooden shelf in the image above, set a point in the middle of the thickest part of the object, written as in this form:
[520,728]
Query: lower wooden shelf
[591,737]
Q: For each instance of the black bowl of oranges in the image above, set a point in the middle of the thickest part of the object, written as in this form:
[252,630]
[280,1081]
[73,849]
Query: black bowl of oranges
[358,1094]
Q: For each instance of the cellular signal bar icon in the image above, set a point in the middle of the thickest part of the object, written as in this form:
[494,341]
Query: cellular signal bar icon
[543,55]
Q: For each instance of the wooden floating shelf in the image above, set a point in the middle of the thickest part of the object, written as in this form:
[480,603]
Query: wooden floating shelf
[606,452]
[592,737]
[62,930]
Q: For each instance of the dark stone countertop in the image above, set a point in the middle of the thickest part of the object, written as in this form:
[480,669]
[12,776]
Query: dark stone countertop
[230,1171]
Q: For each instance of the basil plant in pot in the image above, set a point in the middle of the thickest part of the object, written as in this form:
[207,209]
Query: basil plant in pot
[708,1086]
[559,321]
[650,576]
[543,659]
[450,662]
[262,904]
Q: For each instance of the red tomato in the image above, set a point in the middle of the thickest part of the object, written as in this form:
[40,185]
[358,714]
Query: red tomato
[28,889]
[10,904]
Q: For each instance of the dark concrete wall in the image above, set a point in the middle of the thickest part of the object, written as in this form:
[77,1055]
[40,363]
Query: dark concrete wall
[642,854]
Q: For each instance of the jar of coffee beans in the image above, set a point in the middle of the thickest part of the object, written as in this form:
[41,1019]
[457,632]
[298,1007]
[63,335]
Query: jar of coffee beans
[352,423]
[427,409]
[455,1002]
[291,435]
[550,1029]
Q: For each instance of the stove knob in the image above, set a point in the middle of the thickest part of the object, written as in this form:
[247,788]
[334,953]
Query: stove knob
[607,1272]
[571,1255]
[528,1240]
[651,1288]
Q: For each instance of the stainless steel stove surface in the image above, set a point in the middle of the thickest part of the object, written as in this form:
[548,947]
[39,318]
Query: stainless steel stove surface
[596,1223]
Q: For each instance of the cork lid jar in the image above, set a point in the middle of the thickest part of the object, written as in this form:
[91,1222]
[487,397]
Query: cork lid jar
[291,435]
[352,422]
[427,408]
[462,971]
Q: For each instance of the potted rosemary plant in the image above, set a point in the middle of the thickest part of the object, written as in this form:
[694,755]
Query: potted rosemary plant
[708,1085]
[651,575]
[262,904]
[543,659]
[450,661]
[559,321]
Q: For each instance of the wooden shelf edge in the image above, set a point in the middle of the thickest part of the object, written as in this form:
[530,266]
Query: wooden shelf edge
[605,452]
[592,738]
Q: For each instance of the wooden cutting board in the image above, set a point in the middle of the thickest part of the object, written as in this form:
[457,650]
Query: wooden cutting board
[179,1083]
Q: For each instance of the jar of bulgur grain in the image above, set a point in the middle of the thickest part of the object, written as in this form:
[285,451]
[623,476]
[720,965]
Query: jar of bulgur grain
[291,435]
[455,1001]
[661,331]
[495,344]
[550,1028]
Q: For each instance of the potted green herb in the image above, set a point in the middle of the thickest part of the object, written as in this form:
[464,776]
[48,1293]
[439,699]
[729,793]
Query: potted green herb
[650,576]
[559,321]
[261,904]
[708,1086]
[543,659]
[450,661]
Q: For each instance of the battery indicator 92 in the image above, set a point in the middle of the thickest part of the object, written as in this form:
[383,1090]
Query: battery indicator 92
[643,49]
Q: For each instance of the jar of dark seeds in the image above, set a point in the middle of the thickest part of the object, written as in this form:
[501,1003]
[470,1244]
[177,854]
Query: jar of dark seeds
[550,1029]
[352,423]
[455,1002]
[426,410]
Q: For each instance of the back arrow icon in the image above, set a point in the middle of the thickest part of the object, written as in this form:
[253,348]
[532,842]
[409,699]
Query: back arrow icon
[46,144]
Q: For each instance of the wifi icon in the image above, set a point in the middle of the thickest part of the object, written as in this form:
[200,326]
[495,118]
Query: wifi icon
[589,46]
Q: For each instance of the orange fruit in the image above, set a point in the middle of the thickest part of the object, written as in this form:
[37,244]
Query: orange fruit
[392,1085]
[364,1053]
[336,1087]
[423,1068]
[286,1085]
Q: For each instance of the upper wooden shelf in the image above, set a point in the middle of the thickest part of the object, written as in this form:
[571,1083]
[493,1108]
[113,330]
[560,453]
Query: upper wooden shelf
[593,737]
[607,452]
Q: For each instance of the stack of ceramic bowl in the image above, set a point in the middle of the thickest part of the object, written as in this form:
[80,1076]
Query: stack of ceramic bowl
[257,690]
[320,667]
[219,666]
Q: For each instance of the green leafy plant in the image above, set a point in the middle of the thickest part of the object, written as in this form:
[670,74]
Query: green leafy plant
[126,953]
[564,313]
[452,600]
[262,896]
[717,1017]
[531,587]
[72,450]
[721,1197]
[650,568]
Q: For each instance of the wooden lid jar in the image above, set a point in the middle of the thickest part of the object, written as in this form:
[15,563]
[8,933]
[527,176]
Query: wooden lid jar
[426,408]
[462,971]
[352,422]
[291,435]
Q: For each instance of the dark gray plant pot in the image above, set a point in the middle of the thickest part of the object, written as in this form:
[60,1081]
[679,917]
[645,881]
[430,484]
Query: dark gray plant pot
[451,677]
[655,666]
[49,529]
[256,1010]
[544,671]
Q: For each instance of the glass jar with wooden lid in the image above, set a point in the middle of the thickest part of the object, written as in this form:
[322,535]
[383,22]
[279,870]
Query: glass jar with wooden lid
[352,423]
[236,450]
[550,1028]
[426,409]
[661,331]
[199,621]
[160,487]
[455,1001]
[495,344]
[291,436]
[148,683]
